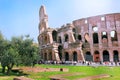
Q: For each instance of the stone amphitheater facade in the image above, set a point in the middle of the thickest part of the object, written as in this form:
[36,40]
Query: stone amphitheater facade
[95,38]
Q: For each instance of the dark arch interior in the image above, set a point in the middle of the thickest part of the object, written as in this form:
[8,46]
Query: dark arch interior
[79,37]
[66,56]
[59,39]
[115,56]
[75,56]
[95,38]
[88,56]
[60,51]
[96,56]
[54,35]
[45,56]
[105,55]
[66,37]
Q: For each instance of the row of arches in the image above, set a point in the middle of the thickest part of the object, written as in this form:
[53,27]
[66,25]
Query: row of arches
[67,57]
[74,56]
[48,56]
[88,56]
[105,56]
[76,36]
[58,39]
[104,36]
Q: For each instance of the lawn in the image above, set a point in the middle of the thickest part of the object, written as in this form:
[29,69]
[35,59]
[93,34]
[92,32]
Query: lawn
[114,72]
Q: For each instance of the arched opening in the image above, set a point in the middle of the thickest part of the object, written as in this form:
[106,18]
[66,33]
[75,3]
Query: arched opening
[75,56]
[96,56]
[79,37]
[54,35]
[113,35]
[95,38]
[95,28]
[115,55]
[60,51]
[45,40]
[66,56]
[104,37]
[88,56]
[74,33]
[106,56]
[59,39]
[45,56]
[66,37]
[50,56]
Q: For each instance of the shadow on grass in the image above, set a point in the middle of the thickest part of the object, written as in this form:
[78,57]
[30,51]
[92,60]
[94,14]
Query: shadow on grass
[13,73]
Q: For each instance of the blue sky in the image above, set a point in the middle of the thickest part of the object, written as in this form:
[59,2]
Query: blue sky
[21,17]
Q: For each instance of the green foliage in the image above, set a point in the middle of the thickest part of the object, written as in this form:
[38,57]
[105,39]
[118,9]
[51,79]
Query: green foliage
[18,51]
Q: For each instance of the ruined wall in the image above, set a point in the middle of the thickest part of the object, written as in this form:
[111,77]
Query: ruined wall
[95,38]
[104,36]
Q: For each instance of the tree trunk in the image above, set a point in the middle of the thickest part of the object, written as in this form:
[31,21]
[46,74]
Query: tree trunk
[3,69]
[9,68]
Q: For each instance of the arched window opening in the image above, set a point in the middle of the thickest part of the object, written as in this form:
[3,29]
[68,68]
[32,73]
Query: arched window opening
[79,37]
[95,28]
[105,55]
[102,18]
[60,51]
[95,38]
[74,30]
[75,56]
[87,38]
[115,56]
[50,56]
[66,37]
[113,35]
[74,33]
[96,56]
[45,56]
[45,40]
[54,35]
[59,39]
[104,37]
[88,56]
[66,56]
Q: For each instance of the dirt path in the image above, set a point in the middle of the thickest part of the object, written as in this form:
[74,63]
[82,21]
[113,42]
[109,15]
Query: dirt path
[61,77]
[95,77]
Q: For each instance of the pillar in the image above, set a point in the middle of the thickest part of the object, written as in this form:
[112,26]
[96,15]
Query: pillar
[101,55]
[111,55]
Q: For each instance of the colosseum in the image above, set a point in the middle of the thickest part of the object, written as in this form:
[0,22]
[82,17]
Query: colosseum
[95,38]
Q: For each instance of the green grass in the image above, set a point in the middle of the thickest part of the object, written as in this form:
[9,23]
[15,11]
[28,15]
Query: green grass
[114,72]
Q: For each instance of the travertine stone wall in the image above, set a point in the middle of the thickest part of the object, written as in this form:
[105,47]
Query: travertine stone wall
[95,38]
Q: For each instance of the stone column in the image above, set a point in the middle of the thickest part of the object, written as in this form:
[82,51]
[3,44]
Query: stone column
[71,37]
[119,53]
[47,55]
[109,39]
[99,36]
[70,55]
[101,55]
[91,38]
[62,37]
[53,55]
[118,36]
[82,34]
[80,54]
[50,37]
[111,55]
